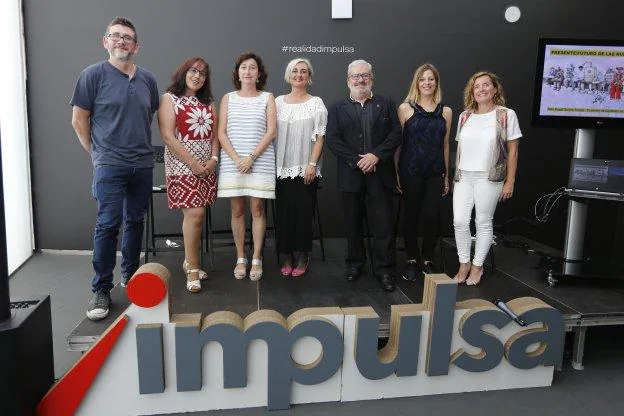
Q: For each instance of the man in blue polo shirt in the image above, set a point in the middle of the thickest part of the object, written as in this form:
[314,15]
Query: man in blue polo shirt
[113,105]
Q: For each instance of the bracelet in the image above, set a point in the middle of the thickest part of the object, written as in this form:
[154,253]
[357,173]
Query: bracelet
[252,156]
[215,158]
[312,164]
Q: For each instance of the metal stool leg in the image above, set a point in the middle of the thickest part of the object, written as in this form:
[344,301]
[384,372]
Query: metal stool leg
[210,245]
[492,260]
[147,230]
[273,216]
[367,242]
[153,226]
[396,221]
[442,254]
[320,228]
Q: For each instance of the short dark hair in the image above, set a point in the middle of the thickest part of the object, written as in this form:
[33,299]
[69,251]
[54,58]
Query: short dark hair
[262,74]
[119,20]
[178,81]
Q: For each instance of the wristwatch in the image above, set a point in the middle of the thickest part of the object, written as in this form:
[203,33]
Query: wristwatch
[253,156]
[312,164]
[215,158]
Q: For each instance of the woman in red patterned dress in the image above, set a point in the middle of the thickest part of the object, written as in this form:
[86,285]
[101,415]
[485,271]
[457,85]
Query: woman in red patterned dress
[187,121]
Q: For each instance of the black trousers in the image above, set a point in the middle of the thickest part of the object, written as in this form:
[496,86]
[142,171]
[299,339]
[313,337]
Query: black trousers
[421,197]
[294,205]
[379,204]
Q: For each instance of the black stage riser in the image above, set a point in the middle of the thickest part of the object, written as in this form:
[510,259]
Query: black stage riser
[26,358]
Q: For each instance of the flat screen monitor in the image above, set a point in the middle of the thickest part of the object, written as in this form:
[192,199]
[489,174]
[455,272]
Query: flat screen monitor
[578,84]
[597,175]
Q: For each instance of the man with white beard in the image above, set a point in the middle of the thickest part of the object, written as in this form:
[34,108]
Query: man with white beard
[363,131]
[112,109]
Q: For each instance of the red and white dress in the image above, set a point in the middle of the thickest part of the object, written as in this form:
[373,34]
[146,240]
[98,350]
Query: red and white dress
[194,129]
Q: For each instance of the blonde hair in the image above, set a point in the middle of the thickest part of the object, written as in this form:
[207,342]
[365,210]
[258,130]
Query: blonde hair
[414,91]
[291,65]
[499,95]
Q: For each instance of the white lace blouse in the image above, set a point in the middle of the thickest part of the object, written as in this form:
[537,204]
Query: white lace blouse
[298,125]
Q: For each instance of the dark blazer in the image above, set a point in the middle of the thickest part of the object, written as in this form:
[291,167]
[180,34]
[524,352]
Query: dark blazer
[344,138]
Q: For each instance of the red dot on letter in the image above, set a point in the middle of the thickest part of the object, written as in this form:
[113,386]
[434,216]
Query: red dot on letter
[146,290]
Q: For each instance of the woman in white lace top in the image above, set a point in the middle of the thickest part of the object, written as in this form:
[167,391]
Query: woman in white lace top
[301,121]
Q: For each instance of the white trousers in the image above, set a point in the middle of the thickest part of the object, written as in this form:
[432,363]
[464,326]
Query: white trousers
[474,190]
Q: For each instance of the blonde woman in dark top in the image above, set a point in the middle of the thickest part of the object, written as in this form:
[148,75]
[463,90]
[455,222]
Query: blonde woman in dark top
[422,166]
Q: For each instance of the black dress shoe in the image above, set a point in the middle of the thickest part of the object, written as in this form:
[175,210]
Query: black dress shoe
[387,281]
[411,272]
[428,268]
[352,273]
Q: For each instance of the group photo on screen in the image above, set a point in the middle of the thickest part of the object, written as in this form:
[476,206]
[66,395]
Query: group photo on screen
[582,80]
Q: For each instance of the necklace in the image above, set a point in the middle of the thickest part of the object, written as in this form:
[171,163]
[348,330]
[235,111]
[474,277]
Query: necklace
[492,106]
[429,109]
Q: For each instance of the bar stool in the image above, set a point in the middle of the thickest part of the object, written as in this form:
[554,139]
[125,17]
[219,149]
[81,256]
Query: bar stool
[152,236]
[248,232]
[316,223]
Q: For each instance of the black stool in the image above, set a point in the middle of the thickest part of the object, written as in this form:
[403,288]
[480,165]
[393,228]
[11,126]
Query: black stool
[316,223]
[151,236]
[248,232]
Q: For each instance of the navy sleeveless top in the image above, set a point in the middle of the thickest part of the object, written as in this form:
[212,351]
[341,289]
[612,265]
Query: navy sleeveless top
[422,151]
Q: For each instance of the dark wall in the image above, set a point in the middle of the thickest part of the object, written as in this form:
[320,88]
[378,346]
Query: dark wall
[64,36]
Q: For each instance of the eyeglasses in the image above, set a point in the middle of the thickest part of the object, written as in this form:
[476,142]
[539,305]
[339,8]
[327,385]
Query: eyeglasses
[116,37]
[300,71]
[365,76]
[194,71]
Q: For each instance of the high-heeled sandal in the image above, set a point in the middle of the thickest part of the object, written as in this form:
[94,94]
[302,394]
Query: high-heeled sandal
[193,286]
[458,277]
[301,270]
[255,274]
[202,274]
[474,282]
[240,273]
[287,268]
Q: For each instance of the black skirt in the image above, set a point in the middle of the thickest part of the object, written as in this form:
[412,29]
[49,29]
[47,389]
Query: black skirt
[294,203]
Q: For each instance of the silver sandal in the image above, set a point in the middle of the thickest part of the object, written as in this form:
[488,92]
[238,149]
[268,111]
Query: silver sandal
[255,274]
[240,273]
[202,274]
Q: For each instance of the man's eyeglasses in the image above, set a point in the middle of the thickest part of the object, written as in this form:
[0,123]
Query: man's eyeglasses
[365,76]
[194,71]
[116,37]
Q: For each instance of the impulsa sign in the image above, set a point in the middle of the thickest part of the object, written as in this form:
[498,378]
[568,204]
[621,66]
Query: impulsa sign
[163,364]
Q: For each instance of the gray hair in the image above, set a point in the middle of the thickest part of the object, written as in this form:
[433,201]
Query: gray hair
[292,64]
[359,62]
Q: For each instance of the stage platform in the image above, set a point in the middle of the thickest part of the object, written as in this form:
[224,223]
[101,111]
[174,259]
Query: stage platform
[517,274]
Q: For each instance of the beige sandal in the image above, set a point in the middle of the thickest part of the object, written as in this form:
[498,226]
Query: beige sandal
[461,277]
[240,272]
[202,274]
[193,286]
[255,273]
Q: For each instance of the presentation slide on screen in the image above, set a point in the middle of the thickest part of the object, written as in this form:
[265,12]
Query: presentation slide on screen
[583,81]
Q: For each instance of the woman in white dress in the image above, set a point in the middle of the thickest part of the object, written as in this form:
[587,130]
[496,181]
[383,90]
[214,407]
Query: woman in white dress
[246,133]
[301,122]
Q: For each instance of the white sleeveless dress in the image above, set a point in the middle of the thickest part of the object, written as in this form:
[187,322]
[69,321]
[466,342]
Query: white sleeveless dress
[246,125]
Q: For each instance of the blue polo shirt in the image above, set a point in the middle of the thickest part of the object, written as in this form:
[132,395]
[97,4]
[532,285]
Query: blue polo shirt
[121,109]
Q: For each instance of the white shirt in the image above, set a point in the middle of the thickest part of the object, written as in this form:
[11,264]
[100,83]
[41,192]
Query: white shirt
[298,125]
[477,137]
